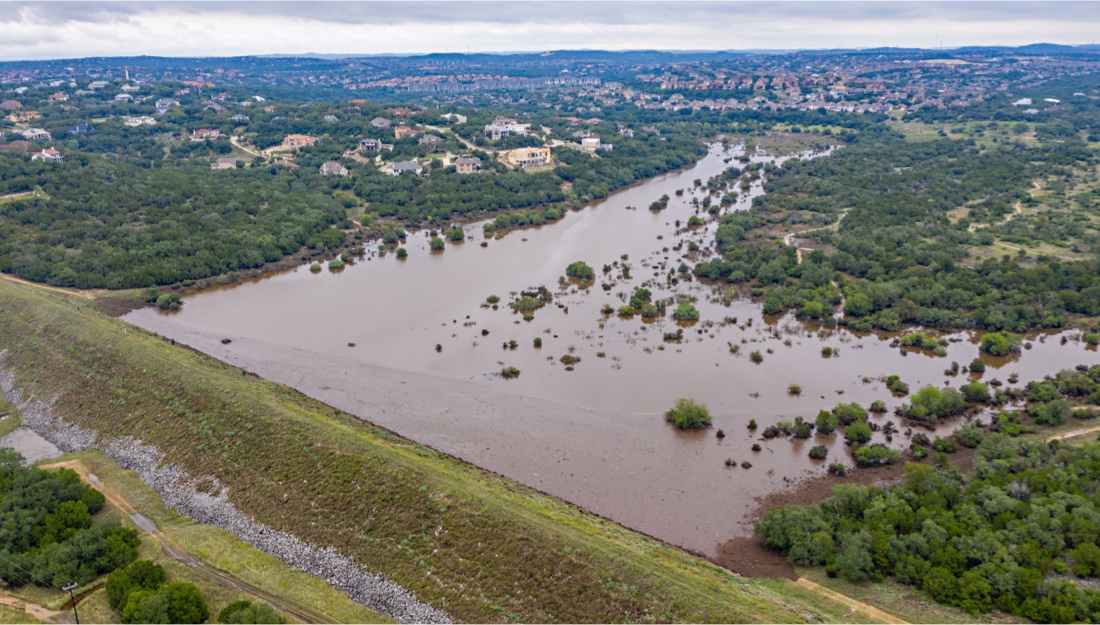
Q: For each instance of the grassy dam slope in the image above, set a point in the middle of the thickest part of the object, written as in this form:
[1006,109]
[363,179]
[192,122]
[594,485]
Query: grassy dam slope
[472,544]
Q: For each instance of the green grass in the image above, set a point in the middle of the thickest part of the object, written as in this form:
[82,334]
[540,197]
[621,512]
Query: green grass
[11,615]
[905,602]
[476,545]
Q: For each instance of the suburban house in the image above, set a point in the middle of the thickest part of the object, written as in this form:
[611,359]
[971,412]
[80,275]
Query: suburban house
[504,127]
[454,118]
[36,134]
[626,132]
[404,131]
[331,119]
[282,162]
[49,154]
[269,109]
[23,116]
[653,130]
[60,96]
[214,106]
[80,128]
[164,104]
[380,122]
[97,84]
[293,142]
[129,87]
[590,143]
[10,105]
[468,165]
[431,142]
[332,168]
[398,168]
[202,134]
[373,145]
[239,118]
[401,111]
[528,157]
[227,162]
[140,120]
[124,97]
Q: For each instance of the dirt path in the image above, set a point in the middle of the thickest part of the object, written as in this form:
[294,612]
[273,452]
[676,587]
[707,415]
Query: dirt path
[179,554]
[39,612]
[870,610]
[790,237]
[86,294]
[1073,434]
[237,144]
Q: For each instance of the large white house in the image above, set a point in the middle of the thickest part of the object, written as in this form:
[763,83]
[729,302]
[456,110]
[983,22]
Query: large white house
[504,127]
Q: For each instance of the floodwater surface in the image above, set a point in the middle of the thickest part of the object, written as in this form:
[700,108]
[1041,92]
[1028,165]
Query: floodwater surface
[413,345]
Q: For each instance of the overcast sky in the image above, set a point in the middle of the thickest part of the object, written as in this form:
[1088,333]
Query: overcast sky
[46,30]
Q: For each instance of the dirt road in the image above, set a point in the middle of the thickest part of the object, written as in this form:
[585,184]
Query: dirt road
[790,237]
[39,612]
[86,294]
[177,553]
[878,615]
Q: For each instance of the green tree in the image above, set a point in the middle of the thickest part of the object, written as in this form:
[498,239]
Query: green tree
[1000,344]
[685,312]
[581,271]
[826,422]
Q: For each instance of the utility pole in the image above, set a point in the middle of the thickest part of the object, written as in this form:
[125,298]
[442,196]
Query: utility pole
[70,588]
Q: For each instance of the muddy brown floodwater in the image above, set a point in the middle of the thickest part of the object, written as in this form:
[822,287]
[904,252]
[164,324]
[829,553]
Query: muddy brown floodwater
[364,340]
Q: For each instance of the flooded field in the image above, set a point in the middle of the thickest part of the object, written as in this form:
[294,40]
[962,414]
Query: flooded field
[416,346]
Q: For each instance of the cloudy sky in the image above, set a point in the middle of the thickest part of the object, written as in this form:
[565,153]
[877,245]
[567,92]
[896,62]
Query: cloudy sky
[47,29]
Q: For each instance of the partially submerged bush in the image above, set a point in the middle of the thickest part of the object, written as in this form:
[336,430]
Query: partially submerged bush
[688,414]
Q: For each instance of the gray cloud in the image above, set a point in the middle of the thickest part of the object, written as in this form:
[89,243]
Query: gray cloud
[64,29]
[564,11]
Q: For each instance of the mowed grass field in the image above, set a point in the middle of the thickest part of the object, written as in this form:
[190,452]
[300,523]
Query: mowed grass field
[478,546]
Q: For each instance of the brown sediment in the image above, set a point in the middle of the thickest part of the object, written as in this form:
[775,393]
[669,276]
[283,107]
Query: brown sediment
[747,555]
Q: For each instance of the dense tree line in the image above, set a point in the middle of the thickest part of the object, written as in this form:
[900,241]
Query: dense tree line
[47,533]
[114,225]
[1015,534]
